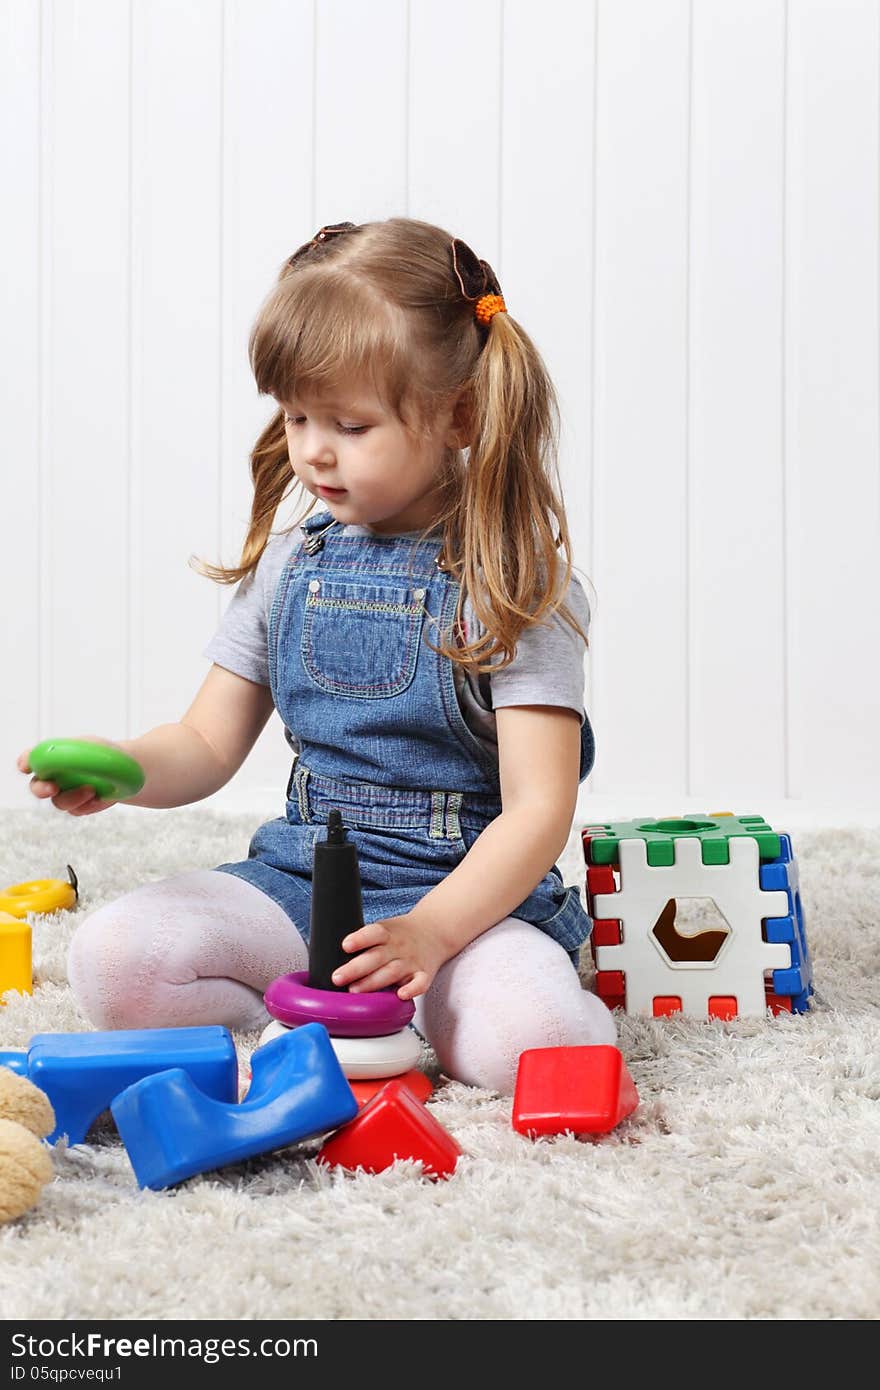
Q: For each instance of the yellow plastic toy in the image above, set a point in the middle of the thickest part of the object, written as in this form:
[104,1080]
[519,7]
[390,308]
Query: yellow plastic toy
[16,960]
[39,895]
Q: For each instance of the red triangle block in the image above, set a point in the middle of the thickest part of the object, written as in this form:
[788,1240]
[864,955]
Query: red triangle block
[393,1125]
[586,1090]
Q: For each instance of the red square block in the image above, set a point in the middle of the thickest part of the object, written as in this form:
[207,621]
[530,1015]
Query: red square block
[611,983]
[778,1003]
[587,1090]
[606,932]
[600,879]
[665,1004]
[611,986]
[393,1125]
[722,1006]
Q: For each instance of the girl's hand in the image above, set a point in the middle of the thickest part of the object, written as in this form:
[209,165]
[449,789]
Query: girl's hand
[395,949]
[79,801]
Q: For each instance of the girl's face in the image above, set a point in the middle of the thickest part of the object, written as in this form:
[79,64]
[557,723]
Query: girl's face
[353,453]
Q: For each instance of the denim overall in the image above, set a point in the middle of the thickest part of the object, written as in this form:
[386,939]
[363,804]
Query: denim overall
[380,733]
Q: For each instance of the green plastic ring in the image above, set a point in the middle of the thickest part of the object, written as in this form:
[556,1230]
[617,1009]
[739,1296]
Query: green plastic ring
[74,762]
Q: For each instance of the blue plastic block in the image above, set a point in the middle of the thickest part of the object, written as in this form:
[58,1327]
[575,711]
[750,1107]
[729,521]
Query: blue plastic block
[773,876]
[173,1131]
[797,978]
[790,981]
[15,1061]
[780,929]
[801,1002]
[796,981]
[82,1073]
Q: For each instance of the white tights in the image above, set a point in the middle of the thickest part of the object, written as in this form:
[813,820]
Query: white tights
[201,948]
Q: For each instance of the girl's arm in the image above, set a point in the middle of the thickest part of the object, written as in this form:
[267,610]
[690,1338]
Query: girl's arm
[539,761]
[185,761]
[195,757]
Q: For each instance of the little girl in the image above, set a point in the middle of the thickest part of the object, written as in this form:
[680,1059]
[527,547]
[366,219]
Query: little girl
[423,643]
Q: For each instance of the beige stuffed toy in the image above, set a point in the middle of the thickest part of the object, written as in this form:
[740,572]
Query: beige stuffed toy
[26,1117]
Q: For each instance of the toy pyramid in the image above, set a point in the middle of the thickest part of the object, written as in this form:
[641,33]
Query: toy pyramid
[369,1032]
[753,954]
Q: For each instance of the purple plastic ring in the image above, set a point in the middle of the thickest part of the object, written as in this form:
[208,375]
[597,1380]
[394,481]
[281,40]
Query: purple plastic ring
[292,1000]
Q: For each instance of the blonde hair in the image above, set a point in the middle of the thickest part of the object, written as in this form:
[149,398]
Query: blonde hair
[381,302]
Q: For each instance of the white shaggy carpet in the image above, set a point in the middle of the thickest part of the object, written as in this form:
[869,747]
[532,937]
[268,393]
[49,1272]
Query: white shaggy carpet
[745,1186]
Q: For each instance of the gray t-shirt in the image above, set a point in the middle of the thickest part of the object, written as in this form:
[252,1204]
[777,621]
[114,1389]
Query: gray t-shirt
[547,669]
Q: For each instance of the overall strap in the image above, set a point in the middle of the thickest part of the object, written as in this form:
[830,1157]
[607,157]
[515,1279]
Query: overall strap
[314,529]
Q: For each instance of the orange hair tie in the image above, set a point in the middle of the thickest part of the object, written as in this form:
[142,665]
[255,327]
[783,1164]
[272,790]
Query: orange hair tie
[487,306]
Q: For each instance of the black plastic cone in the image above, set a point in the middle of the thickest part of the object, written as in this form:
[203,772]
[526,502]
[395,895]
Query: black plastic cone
[337,906]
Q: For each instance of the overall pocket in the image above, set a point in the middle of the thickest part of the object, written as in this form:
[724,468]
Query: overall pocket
[361,639]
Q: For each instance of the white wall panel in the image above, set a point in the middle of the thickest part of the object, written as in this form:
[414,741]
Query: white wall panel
[641,440]
[21,404]
[681,200]
[453,166]
[176,318]
[86,365]
[547,149]
[832,399]
[736,524]
[267,212]
[360,110]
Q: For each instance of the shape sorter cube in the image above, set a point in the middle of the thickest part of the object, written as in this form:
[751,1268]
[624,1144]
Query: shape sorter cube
[755,956]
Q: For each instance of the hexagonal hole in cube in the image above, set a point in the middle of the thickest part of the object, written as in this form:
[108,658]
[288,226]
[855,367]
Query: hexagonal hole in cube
[691,929]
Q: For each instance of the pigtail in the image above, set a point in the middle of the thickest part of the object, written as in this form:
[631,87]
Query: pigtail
[509,526]
[272,479]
